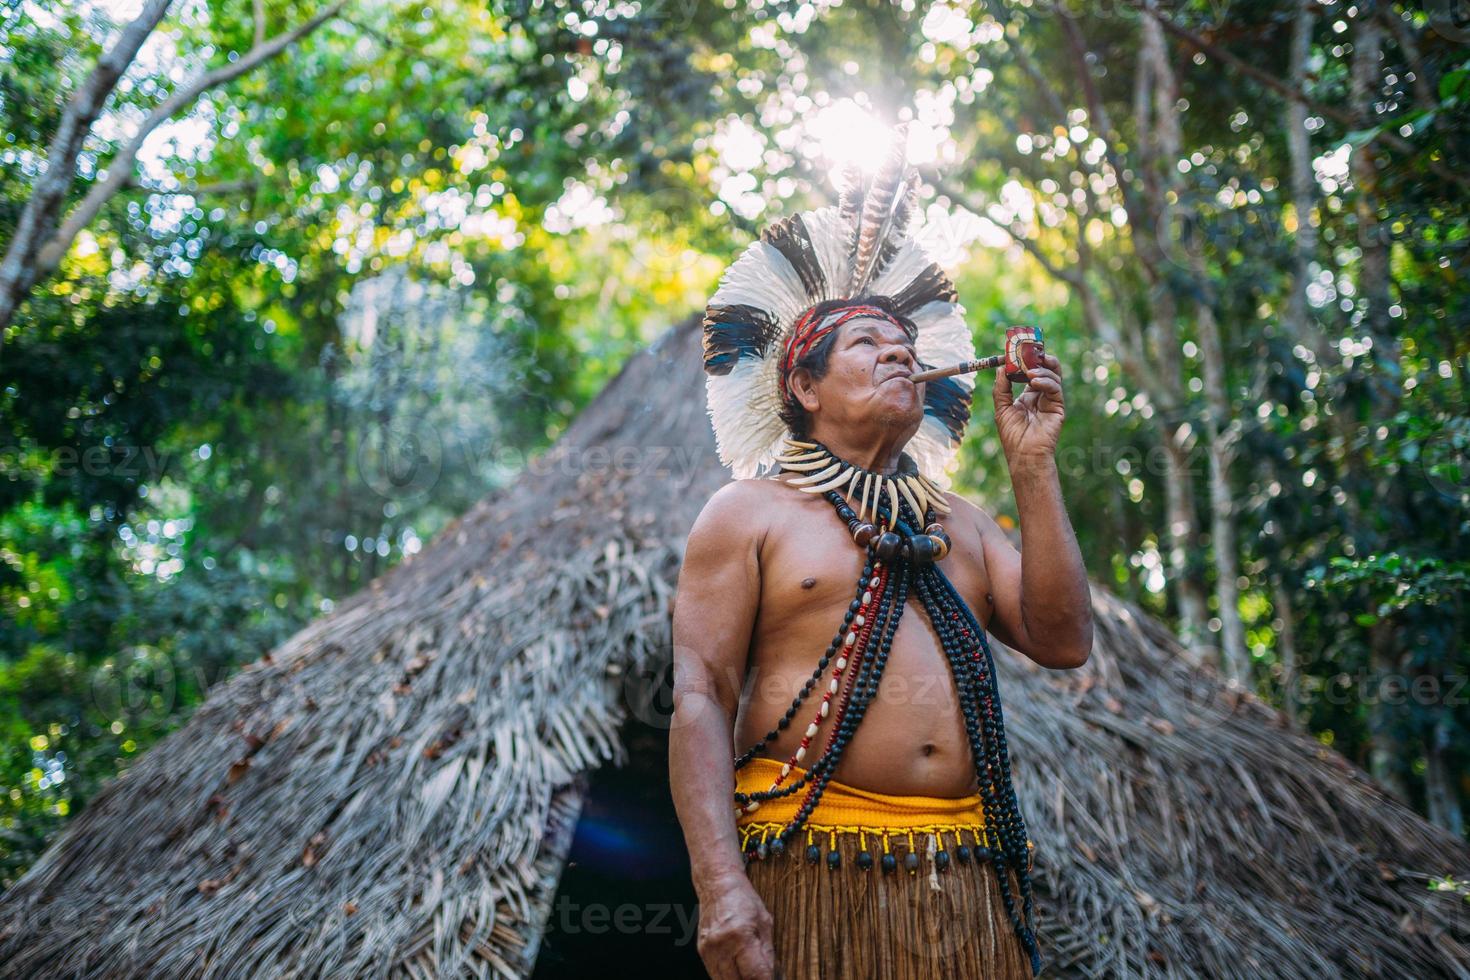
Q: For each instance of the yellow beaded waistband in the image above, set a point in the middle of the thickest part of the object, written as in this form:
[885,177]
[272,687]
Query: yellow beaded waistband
[877,820]
[843,806]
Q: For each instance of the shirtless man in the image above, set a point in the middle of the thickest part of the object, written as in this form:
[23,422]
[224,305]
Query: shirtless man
[768,570]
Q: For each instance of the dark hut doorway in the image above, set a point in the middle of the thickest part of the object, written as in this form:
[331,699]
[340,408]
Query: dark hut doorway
[625,899]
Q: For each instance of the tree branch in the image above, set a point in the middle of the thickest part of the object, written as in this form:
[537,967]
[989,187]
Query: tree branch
[372,31]
[1138,213]
[120,168]
[41,211]
[201,190]
[1027,66]
[1423,92]
[1099,123]
[1099,323]
[1340,116]
[1212,50]
[1067,276]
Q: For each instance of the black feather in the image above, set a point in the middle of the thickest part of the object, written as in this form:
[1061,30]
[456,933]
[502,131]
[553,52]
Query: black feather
[949,403]
[791,238]
[733,332]
[930,285]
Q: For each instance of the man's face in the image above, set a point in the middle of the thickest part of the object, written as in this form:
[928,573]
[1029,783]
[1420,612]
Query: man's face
[867,378]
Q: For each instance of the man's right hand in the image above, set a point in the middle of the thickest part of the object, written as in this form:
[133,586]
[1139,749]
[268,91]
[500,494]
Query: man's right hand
[735,933]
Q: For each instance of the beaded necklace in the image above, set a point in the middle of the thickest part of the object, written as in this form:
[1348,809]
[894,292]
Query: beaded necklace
[900,558]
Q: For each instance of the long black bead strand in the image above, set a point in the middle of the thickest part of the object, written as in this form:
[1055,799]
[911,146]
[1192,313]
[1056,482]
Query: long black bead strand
[821,771]
[865,684]
[826,765]
[975,680]
[862,694]
[860,664]
[1015,844]
[956,652]
[847,514]
[983,668]
[998,803]
[961,653]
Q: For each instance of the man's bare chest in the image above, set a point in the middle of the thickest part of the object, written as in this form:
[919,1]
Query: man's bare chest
[810,571]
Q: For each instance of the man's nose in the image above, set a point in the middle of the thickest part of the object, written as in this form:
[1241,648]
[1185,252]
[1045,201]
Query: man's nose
[897,352]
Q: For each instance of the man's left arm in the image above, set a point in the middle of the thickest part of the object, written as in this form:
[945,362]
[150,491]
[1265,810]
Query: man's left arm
[1043,604]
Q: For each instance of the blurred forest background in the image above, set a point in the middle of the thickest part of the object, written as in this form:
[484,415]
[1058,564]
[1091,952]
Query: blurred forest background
[287,286]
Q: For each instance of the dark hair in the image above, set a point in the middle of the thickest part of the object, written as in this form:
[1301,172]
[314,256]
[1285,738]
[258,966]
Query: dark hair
[793,413]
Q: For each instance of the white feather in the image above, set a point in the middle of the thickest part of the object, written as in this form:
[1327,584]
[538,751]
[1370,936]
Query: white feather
[829,239]
[743,408]
[902,269]
[944,336]
[762,278]
[933,451]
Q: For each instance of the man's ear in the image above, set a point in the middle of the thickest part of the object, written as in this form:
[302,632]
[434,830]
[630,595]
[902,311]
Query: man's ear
[804,388]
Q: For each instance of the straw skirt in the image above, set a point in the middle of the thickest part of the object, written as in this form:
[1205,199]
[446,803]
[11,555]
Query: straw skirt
[932,917]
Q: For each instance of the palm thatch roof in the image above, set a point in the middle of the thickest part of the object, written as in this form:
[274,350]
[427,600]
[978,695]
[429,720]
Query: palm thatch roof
[392,791]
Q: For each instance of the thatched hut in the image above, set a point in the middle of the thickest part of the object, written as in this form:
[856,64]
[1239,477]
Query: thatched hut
[393,791]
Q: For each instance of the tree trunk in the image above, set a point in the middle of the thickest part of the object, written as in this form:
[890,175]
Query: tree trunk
[1235,658]
[1442,793]
[1220,432]
[1184,546]
[1374,282]
[1387,757]
[1303,194]
[1158,123]
[1389,752]
[1286,649]
[1223,432]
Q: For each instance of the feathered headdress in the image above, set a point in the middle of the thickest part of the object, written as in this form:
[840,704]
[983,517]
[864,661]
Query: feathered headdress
[861,247]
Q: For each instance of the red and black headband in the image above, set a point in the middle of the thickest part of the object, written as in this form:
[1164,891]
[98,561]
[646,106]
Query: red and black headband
[810,328]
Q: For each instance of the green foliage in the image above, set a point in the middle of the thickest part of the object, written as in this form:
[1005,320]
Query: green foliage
[1396,583]
[349,293]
